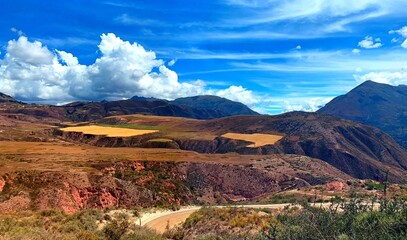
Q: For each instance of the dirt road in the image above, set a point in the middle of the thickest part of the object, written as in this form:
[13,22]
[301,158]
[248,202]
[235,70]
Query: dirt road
[160,220]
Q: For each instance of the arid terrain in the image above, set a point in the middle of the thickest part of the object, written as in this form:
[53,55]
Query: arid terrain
[203,120]
[149,162]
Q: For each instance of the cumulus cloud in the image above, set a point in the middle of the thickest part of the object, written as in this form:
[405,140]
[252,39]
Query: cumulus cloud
[28,52]
[306,105]
[30,71]
[239,94]
[392,78]
[368,43]
[402,32]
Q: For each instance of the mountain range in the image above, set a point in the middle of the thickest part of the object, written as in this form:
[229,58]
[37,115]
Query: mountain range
[359,150]
[201,107]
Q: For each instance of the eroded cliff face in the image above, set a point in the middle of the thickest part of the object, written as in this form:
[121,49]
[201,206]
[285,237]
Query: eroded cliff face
[128,184]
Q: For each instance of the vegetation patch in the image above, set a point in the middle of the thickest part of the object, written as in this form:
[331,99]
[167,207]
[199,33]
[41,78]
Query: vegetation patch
[108,131]
[87,224]
[257,139]
[370,185]
[222,223]
[353,219]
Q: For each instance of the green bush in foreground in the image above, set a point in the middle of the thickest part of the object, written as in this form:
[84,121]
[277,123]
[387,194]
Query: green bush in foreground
[84,225]
[355,219]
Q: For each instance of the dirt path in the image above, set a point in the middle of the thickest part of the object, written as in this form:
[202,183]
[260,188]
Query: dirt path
[161,219]
[169,220]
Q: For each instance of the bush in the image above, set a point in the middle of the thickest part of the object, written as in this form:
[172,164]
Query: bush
[54,224]
[355,219]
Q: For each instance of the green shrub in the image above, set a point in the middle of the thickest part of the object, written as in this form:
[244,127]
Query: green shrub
[354,219]
[54,224]
[141,233]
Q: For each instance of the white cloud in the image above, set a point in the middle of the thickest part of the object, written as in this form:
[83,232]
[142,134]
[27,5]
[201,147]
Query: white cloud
[28,52]
[250,3]
[298,47]
[395,40]
[19,32]
[334,16]
[31,71]
[68,58]
[172,62]
[369,43]
[393,78]
[239,94]
[306,104]
[356,51]
[403,33]
[128,20]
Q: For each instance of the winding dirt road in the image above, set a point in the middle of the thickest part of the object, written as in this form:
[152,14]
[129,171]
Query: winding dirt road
[160,220]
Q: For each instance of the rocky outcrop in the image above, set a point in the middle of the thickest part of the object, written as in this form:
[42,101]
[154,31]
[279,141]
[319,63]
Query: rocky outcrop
[128,184]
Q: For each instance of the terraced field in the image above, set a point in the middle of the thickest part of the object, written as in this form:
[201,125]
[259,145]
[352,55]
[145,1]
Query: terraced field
[257,139]
[108,131]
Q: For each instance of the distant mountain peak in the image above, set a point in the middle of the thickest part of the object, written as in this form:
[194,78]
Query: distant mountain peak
[372,84]
[377,104]
[138,98]
[211,102]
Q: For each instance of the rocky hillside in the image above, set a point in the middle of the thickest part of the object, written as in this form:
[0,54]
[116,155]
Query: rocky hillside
[148,183]
[7,98]
[359,150]
[380,105]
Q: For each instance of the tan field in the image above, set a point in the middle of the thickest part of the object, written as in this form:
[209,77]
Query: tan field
[70,157]
[257,139]
[108,131]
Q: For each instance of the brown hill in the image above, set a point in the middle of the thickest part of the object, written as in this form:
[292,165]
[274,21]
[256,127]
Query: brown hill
[359,150]
[86,111]
[215,107]
[224,106]
[74,177]
[376,104]
[7,98]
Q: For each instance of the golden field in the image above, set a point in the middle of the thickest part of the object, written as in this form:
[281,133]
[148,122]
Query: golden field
[108,131]
[257,139]
[71,157]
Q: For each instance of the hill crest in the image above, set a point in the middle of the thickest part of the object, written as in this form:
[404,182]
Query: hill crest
[376,104]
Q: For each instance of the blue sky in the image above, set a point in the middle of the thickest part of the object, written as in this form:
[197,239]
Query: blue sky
[274,56]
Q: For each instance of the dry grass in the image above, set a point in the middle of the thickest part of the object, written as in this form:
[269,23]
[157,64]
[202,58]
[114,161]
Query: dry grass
[108,131]
[170,127]
[257,139]
[70,157]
